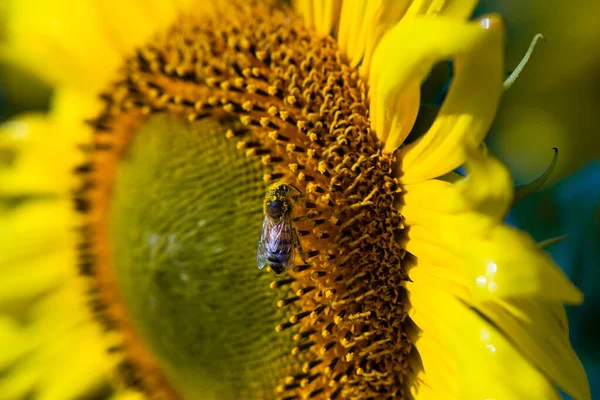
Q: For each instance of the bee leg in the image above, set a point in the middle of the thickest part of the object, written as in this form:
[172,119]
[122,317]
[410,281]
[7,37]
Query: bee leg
[299,197]
[300,194]
[296,240]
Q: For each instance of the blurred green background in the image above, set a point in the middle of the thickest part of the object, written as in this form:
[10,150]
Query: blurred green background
[554,103]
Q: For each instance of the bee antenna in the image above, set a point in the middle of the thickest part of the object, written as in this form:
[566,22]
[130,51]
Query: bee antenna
[299,191]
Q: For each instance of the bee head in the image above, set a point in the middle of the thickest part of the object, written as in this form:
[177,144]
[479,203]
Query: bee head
[278,200]
[275,209]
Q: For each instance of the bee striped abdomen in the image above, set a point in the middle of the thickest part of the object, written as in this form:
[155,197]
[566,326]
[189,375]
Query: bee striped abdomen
[280,252]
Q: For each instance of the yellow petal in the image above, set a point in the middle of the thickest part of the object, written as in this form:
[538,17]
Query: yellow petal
[350,36]
[425,392]
[305,8]
[50,364]
[44,149]
[498,260]
[12,344]
[508,263]
[404,57]
[18,384]
[81,44]
[449,279]
[488,186]
[437,379]
[88,369]
[41,163]
[70,109]
[326,15]
[539,330]
[488,366]
[421,243]
[62,41]
[433,194]
[385,17]
[322,15]
[361,23]
[452,8]
[22,280]
[361,26]
[38,228]
[127,24]
[128,395]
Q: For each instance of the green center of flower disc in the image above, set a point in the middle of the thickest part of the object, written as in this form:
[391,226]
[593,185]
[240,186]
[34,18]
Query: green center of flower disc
[184,221]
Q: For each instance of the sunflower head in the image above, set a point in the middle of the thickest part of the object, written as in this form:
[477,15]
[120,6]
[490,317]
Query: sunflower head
[295,118]
[204,118]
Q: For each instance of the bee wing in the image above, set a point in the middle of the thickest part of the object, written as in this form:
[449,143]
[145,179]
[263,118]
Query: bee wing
[262,252]
[276,238]
[284,237]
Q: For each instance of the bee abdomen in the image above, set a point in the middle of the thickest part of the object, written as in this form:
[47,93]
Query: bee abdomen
[278,260]
[277,267]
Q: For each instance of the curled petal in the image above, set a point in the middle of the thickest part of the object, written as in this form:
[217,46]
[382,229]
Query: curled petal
[404,58]
[526,189]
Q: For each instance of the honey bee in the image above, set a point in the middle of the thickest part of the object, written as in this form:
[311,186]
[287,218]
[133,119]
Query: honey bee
[278,238]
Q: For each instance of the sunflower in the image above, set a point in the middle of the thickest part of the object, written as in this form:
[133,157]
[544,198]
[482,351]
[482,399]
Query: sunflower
[131,211]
